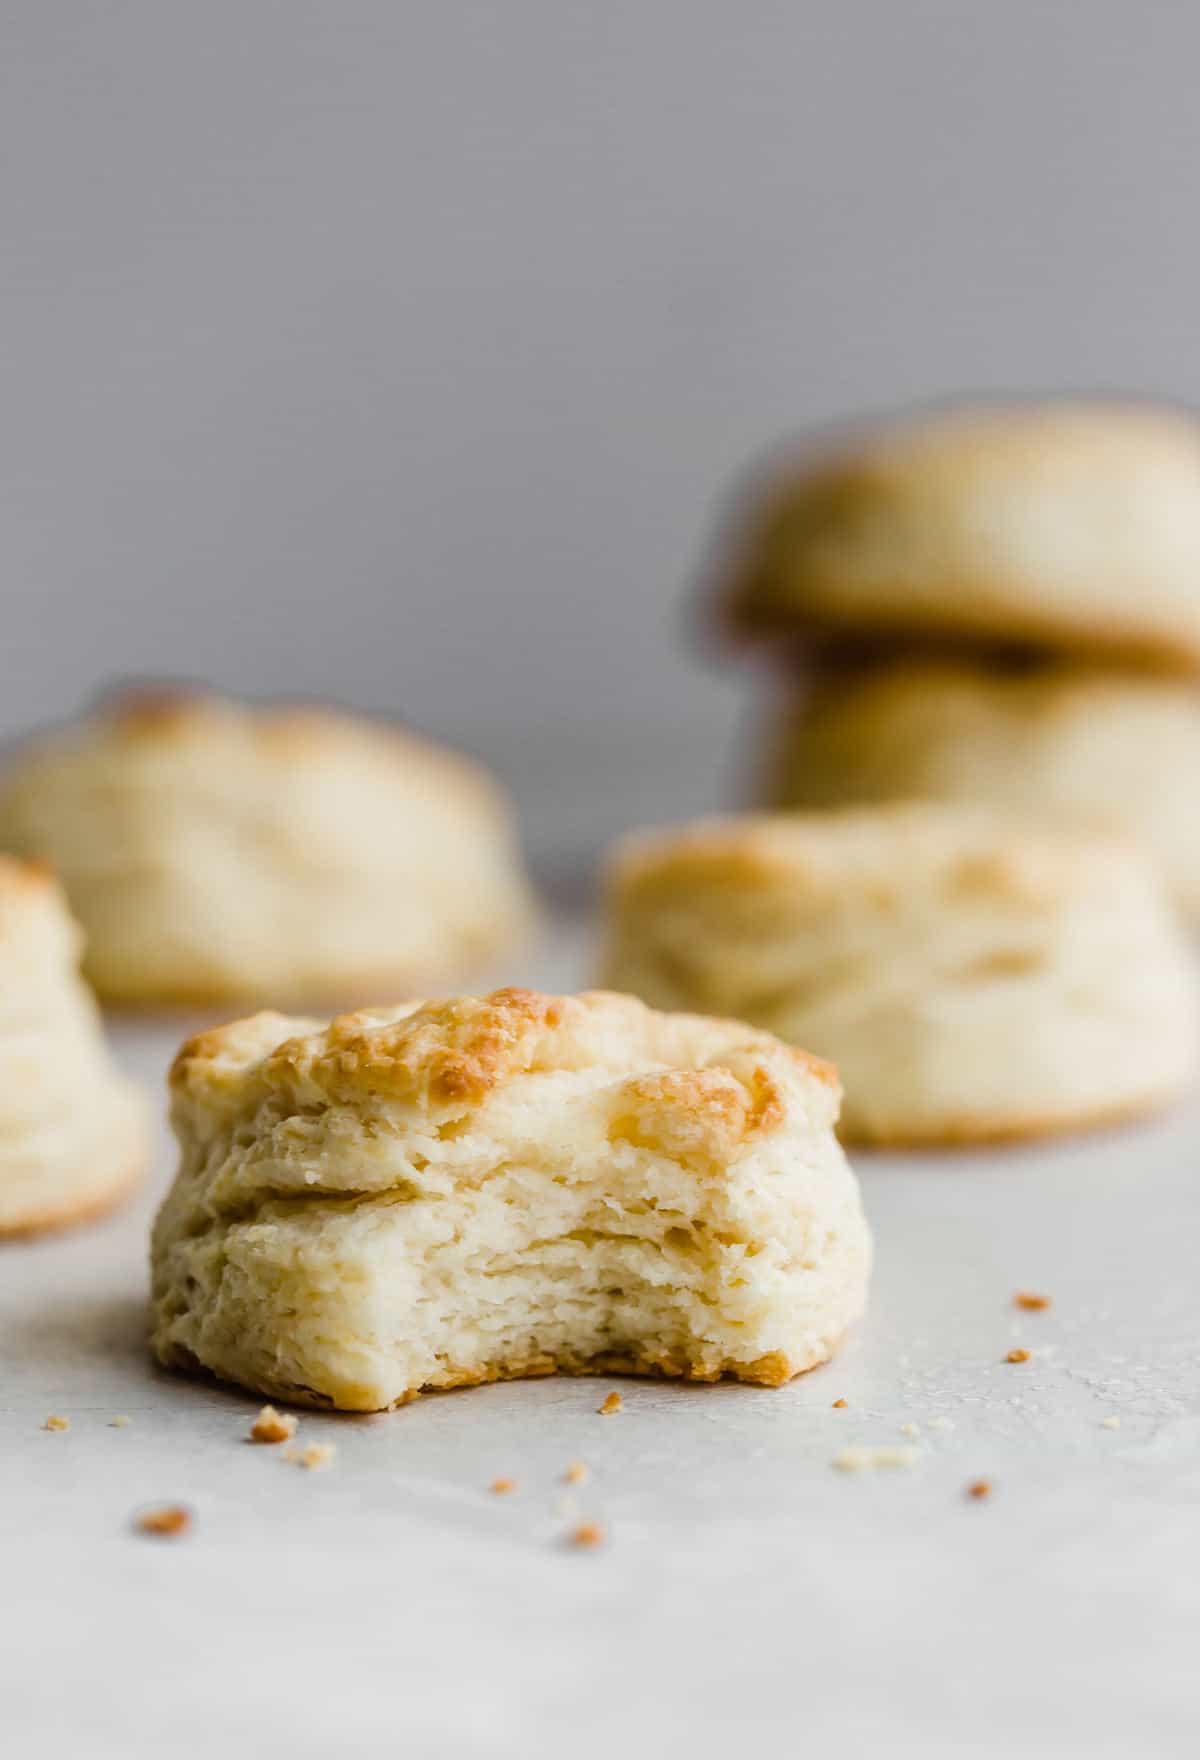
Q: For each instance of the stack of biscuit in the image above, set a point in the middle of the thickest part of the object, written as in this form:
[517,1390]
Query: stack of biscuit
[995,604]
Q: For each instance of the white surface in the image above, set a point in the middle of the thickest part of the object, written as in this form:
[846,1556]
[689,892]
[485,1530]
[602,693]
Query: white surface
[749,1593]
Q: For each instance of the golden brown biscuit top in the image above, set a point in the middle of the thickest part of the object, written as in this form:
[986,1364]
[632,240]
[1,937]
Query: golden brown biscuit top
[31,895]
[877,852]
[160,724]
[444,1059]
[989,504]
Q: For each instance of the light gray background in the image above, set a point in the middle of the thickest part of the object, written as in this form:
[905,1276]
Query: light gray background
[398,352]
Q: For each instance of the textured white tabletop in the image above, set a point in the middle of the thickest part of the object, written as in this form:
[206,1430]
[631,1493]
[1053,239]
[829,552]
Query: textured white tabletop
[748,1594]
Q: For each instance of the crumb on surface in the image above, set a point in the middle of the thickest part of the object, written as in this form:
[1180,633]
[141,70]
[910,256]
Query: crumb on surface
[910,1429]
[316,1454]
[502,1486]
[612,1403]
[576,1473]
[979,1489]
[56,1422]
[166,1520]
[1032,1304]
[941,1423]
[1112,1422]
[839,1404]
[120,1423]
[1018,1356]
[272,1426]
[863,1458]
[587,1535]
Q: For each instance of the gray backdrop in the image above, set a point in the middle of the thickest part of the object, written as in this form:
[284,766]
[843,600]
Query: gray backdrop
[398,351]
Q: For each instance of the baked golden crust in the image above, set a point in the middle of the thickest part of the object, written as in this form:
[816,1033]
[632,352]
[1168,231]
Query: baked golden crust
[878,852]
[976,976]
[439,1057]
[72,1211]
[73,1134]
[440,1194]
[216,853]
[771,1370]
[1086,745]
[1069,526]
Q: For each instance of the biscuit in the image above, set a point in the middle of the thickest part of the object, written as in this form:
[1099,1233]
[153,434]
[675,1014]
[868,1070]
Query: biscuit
[1087,745]
[73,1133]
[1075,526]
[972,976]
[217,853]
[437,1195]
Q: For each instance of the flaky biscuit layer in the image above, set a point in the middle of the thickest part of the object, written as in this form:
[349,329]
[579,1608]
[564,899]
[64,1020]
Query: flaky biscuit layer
[442,1194]
[973,975]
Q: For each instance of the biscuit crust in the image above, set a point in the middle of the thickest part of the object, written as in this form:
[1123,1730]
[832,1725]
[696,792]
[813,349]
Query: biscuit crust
[1073,526]
[217,853]
[976,976]
[437,1195]
[1093,746]
[73,1136]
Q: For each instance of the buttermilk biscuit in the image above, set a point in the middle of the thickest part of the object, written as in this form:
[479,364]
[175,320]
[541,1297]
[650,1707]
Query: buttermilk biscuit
[971,977]
[1084,745]
[213,852]
[1073,525]
[72,1132]
[437,1195]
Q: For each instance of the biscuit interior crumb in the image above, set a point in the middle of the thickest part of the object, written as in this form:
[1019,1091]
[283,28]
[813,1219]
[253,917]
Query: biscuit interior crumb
[612,1403]
[1110,1423]
[273,1426]
[1018,1356]
[979,1488]
[1032,1304]
[55,1422]
[501,1486]
[910,1429]
[838,1404]
[576,1473]
[587,1534]
[119,1423]
[168,1520]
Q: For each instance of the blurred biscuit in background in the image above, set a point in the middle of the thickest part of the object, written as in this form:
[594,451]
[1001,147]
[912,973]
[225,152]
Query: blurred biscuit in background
[216,852]
[73,1132]
[1067,525]
[972,976]
[1082,744]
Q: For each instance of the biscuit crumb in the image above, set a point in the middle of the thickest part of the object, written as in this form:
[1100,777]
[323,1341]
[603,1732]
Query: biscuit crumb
[861,1460]
[273,1426]
[941,1423]
[1032,1304]
[1018,1356]
[119,1423]
[502,1486]
[587,1535]
[839,1405]
[576,1473]
[910,1429]
[168,1520]
[55,1422]
[317,1454]
[1110,1423]
[612,1403]
[979,1488]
